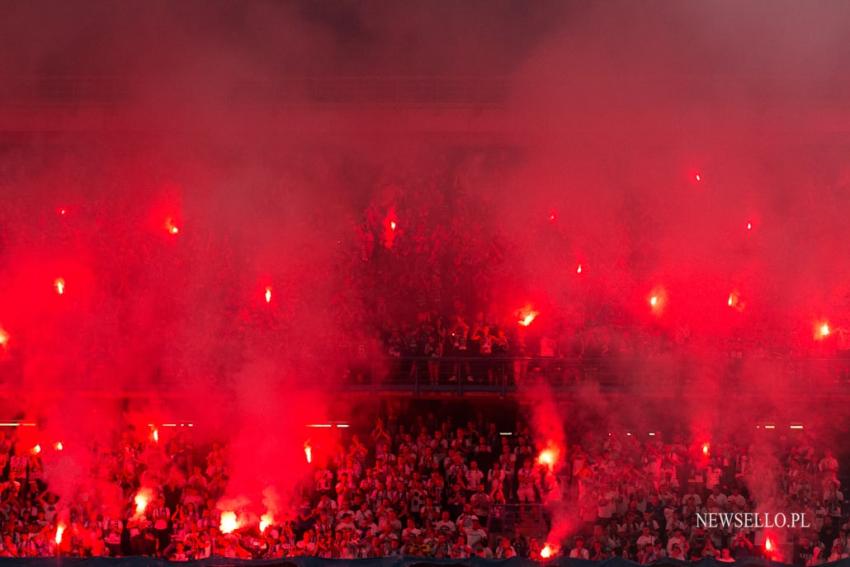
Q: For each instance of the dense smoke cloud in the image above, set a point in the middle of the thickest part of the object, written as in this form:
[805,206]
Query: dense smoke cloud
[249,128]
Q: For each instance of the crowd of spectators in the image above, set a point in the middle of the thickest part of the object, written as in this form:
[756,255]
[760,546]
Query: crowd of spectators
[432,487]
[477,350]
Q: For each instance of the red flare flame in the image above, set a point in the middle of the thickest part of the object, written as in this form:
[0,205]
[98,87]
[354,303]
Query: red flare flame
[142,499]
[548,551]
[265,521]
[229,522]
[527,317]
[548,457]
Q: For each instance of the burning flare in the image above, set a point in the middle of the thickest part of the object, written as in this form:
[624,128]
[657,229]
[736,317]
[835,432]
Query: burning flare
[308,453]
[268,294]
[58,446]
[59,284]
[171,227]
[822,331]
[548,457]
[548,551]
[37,449]
[768,545]
[4,338]
[265,521]
[155,434]
[60,529]
[142,499]
[527,316]
[706,449]
[229,523]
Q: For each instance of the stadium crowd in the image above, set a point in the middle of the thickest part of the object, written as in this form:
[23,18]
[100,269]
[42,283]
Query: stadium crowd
[429,487]
[476,350]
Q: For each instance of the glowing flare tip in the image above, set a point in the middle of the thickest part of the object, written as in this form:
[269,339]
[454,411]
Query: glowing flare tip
[547,457]
[36,450]
[768,545]
[528,318]
[733,300]
[265,521]
[172,228]
[824,330]
[706,448]
[308,453]
[547,552]
[59,284]
[4,338]
[142,499]
[58,446]
[578,270]
[229,522]
[393,225]
[268,295]
[60,529]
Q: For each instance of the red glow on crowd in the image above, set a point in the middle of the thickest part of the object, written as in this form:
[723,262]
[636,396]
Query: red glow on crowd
[59,285]
[229,522]
[268,294]
[60,529]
